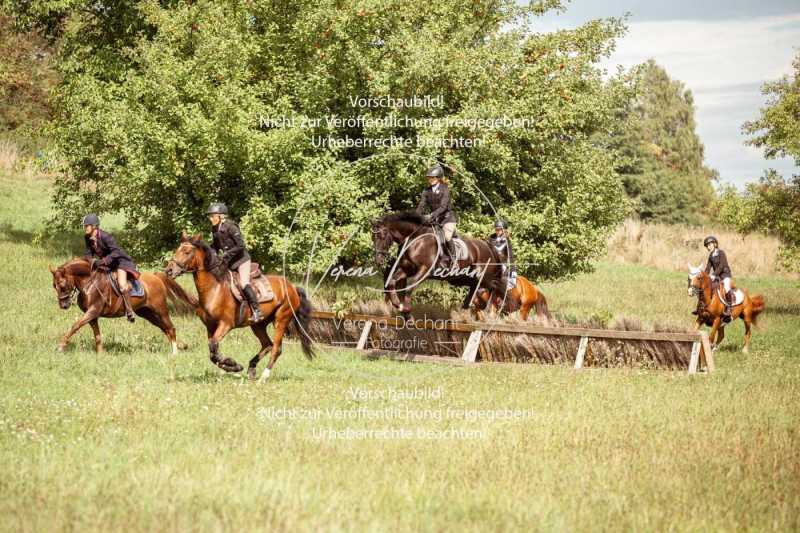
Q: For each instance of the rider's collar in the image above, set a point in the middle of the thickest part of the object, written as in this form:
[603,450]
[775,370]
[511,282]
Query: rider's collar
[435,187]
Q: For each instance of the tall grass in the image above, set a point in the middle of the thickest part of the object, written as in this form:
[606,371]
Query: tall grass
[670,247]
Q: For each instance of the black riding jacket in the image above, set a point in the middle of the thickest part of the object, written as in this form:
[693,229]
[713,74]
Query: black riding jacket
[502,246]
[107,249]
[438,201]
[718,262]
[227,238]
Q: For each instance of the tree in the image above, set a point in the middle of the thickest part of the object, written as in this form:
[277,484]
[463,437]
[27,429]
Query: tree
[159,114]
[661,155]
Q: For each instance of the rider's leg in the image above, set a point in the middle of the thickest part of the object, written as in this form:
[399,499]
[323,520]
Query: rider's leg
[249,293]
[449,229]
[122,281]
[726,287]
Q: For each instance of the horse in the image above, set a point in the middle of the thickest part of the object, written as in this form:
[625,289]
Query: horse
[524,296]
[711,307]
[97,299]
[218,308]
[418,256]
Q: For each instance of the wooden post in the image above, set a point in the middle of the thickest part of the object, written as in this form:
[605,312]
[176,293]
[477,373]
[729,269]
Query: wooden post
[708,353]
[471,349]
[581,352]
[362,341]
[695,358]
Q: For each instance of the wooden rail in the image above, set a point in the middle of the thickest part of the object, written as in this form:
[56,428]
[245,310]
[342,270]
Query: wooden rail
[700,347]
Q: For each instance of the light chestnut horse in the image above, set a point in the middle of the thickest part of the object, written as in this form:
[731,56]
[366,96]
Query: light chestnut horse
[97,299]
[221,312]
[711,307]
[523,297]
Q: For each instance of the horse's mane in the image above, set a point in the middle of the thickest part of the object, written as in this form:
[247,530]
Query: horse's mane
[77,266]
[403,216]
[210,260]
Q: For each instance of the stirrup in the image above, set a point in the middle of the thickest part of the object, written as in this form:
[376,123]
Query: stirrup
[257,315]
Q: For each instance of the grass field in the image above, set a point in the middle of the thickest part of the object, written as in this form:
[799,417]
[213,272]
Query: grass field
[95,442]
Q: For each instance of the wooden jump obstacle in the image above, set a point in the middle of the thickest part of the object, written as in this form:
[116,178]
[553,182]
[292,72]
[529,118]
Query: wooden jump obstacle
[464,343]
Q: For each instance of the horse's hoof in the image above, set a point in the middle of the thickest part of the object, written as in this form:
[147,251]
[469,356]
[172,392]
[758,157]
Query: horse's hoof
[229,365]
[265,375]
[61,347]
[251,374]
[745,350]
[183,346]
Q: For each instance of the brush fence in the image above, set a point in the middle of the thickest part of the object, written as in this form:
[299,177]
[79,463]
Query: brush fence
[446,341]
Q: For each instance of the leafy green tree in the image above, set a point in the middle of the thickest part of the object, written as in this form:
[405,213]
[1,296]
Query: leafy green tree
[661,155]
[160,113]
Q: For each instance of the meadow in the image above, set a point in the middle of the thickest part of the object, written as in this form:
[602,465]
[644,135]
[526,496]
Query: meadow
[117,441]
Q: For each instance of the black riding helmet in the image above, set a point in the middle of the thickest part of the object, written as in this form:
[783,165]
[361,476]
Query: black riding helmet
[92,219]
[709,240]
[436,171]
[500,223]
[217,208]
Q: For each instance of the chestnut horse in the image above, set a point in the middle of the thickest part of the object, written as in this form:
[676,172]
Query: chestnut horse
[711,307]
[522,297]
[97,299]
[218,309]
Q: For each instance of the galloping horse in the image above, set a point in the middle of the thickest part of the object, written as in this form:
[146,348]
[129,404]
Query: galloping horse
[418,256]
[218,309]
[97,299]
[711,307]
[522,297]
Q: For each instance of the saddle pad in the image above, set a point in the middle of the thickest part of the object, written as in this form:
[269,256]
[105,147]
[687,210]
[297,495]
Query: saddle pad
[137,289]
[462,252]
[738,296]
[260,284]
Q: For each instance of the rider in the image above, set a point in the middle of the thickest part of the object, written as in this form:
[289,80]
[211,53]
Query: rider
[437,198]
[717,267]
[102,250]
[228,240]
[500,241]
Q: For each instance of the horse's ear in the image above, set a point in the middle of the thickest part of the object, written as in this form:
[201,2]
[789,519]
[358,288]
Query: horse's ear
[690,266]
[51,269]
[197,237]
[184,236]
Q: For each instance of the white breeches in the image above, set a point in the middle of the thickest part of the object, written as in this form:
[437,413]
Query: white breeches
[244,274]
[448,228]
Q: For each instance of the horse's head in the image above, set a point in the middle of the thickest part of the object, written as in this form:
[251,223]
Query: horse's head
[64,284]
[381,241]
[696,280]
[189,257]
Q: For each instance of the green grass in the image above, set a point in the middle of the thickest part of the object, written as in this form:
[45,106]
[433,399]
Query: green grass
[112,441]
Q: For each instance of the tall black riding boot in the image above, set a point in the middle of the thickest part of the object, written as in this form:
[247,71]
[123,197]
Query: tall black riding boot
[252,299]
[726,317]
[129,314]
[451,252]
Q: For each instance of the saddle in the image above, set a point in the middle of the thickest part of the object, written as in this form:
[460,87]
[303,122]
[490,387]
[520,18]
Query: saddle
[137,289]
[462,252]
[738,294]
[260,283]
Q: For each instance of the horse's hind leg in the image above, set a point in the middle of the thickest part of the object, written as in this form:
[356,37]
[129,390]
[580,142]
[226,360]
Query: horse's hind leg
[747,332]
[282,319]
[162,322]
[260,330]
[98,341]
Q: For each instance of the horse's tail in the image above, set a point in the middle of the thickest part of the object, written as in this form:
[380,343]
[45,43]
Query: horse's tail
[541,305]
[176,293]
[302,321]
[758,306]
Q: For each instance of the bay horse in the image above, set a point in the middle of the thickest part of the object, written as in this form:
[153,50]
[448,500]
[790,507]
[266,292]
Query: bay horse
[418,256]
[523,297]
[711,307]
[218,309]
[97,299]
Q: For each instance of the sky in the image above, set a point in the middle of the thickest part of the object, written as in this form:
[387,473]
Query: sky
[722,50]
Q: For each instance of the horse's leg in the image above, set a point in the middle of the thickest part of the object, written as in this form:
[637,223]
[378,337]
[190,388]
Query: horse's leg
[282,319]
[162,322]
[98,341]
[524,310]
[398,276]
[747,318]
[90,314]
[412,280]
[227,364]
[260,331]
[712,336]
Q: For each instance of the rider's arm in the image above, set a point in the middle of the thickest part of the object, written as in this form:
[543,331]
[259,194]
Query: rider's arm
[238,242]
[115,251]
[89,253]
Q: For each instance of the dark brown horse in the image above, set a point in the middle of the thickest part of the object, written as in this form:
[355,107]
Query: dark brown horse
[221,312]
[97,299]
[419,252]
[711,307]
[524,296]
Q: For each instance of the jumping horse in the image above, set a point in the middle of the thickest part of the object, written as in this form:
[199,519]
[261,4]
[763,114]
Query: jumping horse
[221,312]
[711,307]
[97,299]
[523,297]
[418,258]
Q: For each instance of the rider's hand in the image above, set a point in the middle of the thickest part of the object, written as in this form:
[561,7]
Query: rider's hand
[427,219]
